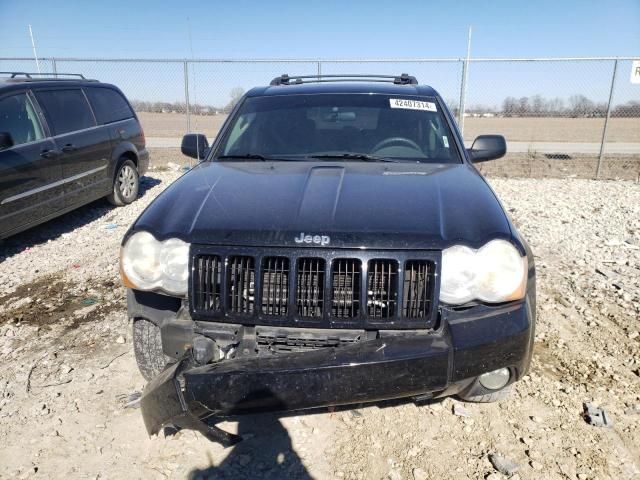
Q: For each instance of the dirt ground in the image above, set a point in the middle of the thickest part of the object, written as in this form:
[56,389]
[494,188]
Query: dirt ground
[587,130]
[175,124]
[68,380]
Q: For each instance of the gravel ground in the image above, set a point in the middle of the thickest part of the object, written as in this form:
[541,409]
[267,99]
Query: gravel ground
[69,377]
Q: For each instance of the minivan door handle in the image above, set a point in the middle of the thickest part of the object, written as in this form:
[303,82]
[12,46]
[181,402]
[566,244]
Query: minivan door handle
[49,153]
[69,147]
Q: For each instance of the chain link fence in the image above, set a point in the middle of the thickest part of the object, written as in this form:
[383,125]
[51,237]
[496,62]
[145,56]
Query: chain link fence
[562,117]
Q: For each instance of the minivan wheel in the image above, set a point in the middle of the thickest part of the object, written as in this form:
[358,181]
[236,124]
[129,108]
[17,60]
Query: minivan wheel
[125,185]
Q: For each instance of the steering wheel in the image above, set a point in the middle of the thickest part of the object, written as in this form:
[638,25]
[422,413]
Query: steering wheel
[396,141]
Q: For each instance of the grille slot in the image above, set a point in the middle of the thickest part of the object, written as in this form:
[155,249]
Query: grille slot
[417,299]
[241,284]
[346,288]
[275,285]
[208,282]
[284,342]
[310,287]
[382,288]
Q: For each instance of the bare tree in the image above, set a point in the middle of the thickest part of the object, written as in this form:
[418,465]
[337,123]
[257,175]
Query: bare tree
[236,94]
[523,106]
[510,106]
[580,106]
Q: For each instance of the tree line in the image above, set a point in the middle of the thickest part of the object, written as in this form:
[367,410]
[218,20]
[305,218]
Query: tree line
[574,106]
[195,108]
[535,106]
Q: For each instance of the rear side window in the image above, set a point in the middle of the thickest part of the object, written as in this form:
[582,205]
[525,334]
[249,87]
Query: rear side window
[66,110]
[18,118]
[108,105]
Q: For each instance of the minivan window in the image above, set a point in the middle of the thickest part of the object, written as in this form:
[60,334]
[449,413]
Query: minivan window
[108,105]
[66,110]
[18,118]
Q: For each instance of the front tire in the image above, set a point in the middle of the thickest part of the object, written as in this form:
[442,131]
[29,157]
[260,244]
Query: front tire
[126,184]
[478,394]
[147,345]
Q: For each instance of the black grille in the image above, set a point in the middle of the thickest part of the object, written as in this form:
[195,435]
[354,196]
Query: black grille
[346,288]
[310,287]
[358,290]
[241,284]
[208,283]
[382,288]
[417,297]
[275,285]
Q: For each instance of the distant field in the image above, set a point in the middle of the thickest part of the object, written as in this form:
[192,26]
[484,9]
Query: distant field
[514,129]
[175,124]
[554,129]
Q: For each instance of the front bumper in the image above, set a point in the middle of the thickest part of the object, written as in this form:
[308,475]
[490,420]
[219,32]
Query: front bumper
[445,362]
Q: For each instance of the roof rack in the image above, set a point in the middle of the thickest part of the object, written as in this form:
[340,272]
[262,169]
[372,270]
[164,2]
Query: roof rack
[29,76]
[403,79]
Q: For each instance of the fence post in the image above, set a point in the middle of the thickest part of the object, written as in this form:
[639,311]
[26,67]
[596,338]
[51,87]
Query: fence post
[463,88]
[54,67]
[606,119]
[186,94]
[319,69]
[463,85]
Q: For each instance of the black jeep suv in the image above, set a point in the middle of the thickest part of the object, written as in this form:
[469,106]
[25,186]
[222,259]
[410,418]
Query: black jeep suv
[336,245]
[64,141]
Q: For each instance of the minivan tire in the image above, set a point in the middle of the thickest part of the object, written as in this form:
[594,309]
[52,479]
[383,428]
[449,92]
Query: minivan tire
[147,346]
[126,184]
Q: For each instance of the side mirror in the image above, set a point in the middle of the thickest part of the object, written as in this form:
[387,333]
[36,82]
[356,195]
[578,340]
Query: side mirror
[195,145]
[6,140]
[487,147]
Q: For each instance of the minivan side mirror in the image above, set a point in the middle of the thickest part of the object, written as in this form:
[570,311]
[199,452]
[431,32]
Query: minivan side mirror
[487,147]
[6,140]
[195,145]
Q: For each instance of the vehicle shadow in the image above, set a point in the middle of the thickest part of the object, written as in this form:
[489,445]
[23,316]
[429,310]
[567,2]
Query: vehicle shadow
[265,452]
[66,223]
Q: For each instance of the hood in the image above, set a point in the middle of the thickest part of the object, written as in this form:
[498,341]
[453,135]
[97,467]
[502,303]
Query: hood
[328,204]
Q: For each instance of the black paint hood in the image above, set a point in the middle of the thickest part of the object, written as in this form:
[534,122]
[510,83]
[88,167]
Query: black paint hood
[355,204]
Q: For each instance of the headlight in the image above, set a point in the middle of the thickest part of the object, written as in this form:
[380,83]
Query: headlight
[148,264]
[495,273]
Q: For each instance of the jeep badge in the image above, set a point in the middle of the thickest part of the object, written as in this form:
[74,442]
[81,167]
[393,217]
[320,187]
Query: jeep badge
[316,239]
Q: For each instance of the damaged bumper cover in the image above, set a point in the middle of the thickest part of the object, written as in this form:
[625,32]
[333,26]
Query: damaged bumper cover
[386,368]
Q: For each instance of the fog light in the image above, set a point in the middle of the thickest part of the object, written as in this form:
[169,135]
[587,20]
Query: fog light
[495,380]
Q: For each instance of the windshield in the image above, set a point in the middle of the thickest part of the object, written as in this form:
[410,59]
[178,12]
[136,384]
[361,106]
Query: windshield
[340,126]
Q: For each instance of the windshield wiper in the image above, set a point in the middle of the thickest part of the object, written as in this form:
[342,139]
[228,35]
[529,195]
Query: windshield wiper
[355,156]
[246,156]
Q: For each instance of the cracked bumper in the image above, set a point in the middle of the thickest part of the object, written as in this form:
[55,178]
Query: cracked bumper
[381,369]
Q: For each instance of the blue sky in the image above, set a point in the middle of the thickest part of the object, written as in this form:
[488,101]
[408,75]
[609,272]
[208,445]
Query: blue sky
[329,29]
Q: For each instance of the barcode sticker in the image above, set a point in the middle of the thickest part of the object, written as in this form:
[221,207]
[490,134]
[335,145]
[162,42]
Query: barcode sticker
[412,104]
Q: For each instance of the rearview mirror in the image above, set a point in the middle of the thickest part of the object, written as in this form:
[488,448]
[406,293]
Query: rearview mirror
[6,141]
[487,147]
[195,145]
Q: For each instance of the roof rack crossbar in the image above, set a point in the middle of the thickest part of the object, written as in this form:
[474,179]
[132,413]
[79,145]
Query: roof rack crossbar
[43,75]
[285,79]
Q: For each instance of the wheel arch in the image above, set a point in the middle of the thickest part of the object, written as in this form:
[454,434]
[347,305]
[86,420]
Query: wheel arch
[126,150]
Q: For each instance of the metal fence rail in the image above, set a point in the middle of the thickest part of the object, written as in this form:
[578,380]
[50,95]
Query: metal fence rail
[569,116]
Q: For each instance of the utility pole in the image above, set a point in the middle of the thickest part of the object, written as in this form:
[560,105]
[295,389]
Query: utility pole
[33,44]
[463,86]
